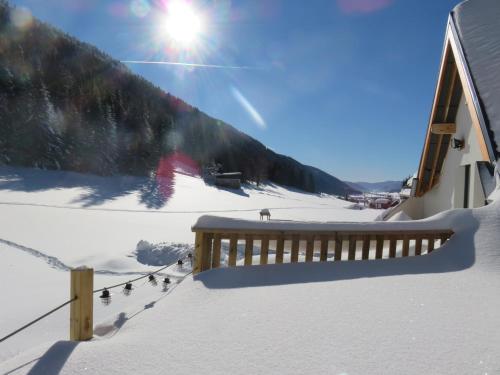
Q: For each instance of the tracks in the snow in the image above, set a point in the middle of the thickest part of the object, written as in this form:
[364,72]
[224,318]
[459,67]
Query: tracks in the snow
[50,260]
[57,264]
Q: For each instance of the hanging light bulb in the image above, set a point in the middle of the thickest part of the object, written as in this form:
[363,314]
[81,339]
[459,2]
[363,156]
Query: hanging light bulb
[190,257]
[127,289]
[152,280]
[179,262]
[105,297]
[166,281]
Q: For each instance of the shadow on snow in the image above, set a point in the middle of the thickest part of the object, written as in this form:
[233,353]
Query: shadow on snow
[153,192]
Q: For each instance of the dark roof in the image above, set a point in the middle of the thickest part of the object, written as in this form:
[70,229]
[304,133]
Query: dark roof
[228,174]
[477,24]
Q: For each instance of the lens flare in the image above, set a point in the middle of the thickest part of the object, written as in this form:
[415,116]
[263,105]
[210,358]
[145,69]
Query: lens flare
[168,166]
[140,8]
[183,24]
[249,108]
[21,18]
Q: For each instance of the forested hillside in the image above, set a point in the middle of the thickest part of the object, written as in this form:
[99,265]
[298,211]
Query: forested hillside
[66,105]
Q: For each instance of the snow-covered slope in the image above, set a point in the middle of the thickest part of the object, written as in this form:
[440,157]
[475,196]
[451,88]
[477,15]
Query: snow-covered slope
[82,219]
[51,221]
[435,314]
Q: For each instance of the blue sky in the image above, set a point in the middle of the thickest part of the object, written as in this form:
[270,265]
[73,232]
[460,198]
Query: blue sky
[344,85]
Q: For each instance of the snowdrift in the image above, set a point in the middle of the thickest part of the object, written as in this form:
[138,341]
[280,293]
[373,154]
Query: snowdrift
[53,220]
[435,314]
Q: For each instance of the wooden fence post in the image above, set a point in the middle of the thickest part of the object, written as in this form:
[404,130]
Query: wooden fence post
[216,251]
[198,248]
[264,249]
[206,252]
[248,250]
[294,255]
[233,250]
[81,326]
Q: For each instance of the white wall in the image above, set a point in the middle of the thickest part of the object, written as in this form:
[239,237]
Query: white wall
[449,192]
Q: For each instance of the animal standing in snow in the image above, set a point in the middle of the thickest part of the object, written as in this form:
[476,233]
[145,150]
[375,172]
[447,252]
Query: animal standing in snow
[265,213]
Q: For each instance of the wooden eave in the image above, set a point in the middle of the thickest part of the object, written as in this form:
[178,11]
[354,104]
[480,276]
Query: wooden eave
[453,81]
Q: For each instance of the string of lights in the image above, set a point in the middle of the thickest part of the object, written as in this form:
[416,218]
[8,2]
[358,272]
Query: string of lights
[106,295]
[179,262]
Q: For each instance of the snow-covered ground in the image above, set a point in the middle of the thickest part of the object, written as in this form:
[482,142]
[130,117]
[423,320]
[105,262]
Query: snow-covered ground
[98,221]
[434,314]
[51,221]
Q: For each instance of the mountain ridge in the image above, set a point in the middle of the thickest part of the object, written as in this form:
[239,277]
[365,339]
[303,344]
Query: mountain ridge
[388,186]
[64,104]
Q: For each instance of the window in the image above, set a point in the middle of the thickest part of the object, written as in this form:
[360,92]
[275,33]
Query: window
[466,186]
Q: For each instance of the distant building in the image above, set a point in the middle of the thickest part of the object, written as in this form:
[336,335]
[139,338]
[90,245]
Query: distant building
[212,176]
[457,166]
[228,180]
[382,203]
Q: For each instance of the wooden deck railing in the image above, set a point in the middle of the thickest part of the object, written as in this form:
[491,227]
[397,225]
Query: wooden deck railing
[339,242]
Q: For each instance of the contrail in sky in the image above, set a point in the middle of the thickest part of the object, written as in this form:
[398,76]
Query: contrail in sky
[187,64]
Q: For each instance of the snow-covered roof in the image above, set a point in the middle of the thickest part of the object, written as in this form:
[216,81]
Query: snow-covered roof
[478,27]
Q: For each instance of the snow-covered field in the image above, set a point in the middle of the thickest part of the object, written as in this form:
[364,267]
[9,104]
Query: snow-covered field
[435,314]
[97,221]
[51,221]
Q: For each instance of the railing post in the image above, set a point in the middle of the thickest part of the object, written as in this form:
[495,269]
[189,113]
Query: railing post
[81,326]
[206,254]
[264,250]
[233,250]
[248,250]
[352,248]
[418,245]
[280,248]
[216,251]
[323,251]
[392,246]
[430,244]
[294,256]
[379,249]
[406,245]
[337,255]
[365,254]
[310,249]
[198,252]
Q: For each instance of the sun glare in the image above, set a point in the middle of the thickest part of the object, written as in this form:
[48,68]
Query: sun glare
[183,24]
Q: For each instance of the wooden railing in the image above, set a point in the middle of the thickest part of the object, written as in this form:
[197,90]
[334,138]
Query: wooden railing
[320,242]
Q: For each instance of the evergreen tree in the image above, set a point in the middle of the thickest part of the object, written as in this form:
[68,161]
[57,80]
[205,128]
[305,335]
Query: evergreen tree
[65,104]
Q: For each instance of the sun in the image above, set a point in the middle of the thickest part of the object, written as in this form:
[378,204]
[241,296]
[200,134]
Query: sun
[183,24]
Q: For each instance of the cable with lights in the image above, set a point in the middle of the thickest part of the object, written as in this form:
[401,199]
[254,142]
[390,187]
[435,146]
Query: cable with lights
[105,296]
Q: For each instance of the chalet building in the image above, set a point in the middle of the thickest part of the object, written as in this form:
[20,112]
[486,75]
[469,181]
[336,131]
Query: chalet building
[230,180]
[458,164]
